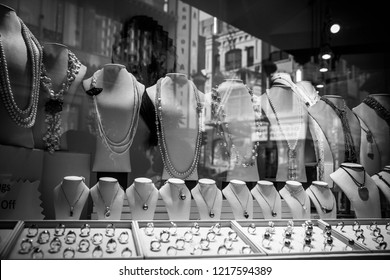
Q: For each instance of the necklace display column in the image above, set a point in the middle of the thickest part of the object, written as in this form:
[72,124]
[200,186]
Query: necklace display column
[240,199]
[208,199]
[297,200]
[269,199]
[177,199]
[142,196]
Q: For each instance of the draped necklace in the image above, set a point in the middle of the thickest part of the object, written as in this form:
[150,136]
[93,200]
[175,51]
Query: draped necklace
[362,189]
[107,207]
[294,194]
[71,205]
[145,205]
[209,209]
[324,209]
[379,109]
[244,208]
[272,208]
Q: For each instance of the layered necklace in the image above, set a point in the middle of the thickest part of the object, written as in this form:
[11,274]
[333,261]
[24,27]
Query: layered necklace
[209,209]
[145,205]
[107,208]
[244,209]
[292,144]
[362,189]
[168,164]
[71,206]
[22,117]
[324,209]
[182,195]
[121,146]
[54,105]
[379,109]
[350,151]
[272,208]
[294,193]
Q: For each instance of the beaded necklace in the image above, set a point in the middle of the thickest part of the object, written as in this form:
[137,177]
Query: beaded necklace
[22,117]
[168,164]
[381,111]
[107,208]
[362,189]
[244,209]
[272,208]
[53,106]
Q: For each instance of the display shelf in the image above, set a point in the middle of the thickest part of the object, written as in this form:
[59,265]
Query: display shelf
[194,239]
[104,239]
[7,230]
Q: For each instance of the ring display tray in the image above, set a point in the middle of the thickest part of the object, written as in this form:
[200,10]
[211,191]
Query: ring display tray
[74,240]
[295,246]
[191,239]
[7,230]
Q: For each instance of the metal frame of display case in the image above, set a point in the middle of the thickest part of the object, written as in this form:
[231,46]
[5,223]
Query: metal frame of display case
[11,226]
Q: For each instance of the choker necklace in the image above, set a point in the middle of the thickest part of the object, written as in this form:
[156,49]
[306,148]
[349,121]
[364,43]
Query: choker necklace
[293,194]
[22,117]
[171,169]
[210,209]
[107,209]
[350,151]
[383,179]
[145,205]
[273,213]
[362,189]
[244,209]
[182,195]
[122,146]
[381,111]
[71,206]
[53,106]
[324,209]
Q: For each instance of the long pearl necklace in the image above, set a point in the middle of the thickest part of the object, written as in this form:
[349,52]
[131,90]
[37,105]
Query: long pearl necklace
[171,169]
[22,117]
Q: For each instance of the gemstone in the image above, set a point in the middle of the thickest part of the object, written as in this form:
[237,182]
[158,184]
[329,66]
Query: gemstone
[274,214]
[107,212]
[145,207]
[211,214]
[246,215]
[182,196]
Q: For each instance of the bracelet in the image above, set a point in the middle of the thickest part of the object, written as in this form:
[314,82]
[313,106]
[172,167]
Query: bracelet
[196,250]
[382,245]
[233,235]
[188,236]
[372,226]
[228,242]
[341,225]
[376,231]
[379,238]
[216,228]
[356,226]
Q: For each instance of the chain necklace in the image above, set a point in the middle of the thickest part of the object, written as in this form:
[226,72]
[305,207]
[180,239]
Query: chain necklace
[22,117]
[324,209]
[53,106]
[171,169]
[362,189]
[107,209]
[244,209]
[369,137]
[122,146]
[350,151]
[182,195]
[293,194]
[273,213]
[379,109]
[383,179]
[145,205]
[292,145]
[71,206]
[209,209]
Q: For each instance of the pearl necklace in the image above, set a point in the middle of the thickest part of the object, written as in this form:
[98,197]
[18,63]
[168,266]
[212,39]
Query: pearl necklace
[171,169]
[145,205]
[22,117]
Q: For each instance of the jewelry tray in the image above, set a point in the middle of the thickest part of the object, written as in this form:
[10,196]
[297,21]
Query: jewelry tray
[13,247]
[205,226]
[7,230]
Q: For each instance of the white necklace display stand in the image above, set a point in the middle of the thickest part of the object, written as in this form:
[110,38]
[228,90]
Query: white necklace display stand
[269,200]
[70,197]
[208,199]
[240,199]
[323,199]
[296,199]
[369,208]
[383,184]
[177,199]
[142,196]
[107,196]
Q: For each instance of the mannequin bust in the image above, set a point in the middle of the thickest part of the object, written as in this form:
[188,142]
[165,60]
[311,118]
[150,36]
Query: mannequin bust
[240,199]
[359,188]
[375,154]
[177,199]
[382,180]
[323,199]
[117,112]
[70,197]
[297,199]
[142,196]
[208,199]
[269,200]
[22,87]
[180,123]
[107,196]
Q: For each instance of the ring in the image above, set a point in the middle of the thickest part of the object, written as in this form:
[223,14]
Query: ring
[376,231]
[382,245]
[83,245]
[286,244]
[289,229]
[271,227]
[26,246]
[55,245]
[195,228]
[361,236]
[216,228]
[233,235]
[37,253]
[85,230]
[287,234]
[59,230]
[111,246]
[70,237]
[356,226]
[97,252]
[327,233]
[155,245]
[228,242]
[246,249]
[358,232]
[164,236]
[266,238]
[188,236]
[123,237]
[290,223]
[68,253]
[328,242]
[252,229]
[380,238]
[204,244]
[348,247]
[149,229]
[307,243]
[341,225]
[196,250]
[97,239]
[171,251]
[32,230]
[126,253]
[387,226]
[180,242]
[44,237]
[308,233]
[372,226]
[173,229]
[110,230]
[211,236]
[222,250]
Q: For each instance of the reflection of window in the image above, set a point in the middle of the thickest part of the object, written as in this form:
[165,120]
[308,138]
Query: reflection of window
[233,59]
[278,55]
[219,153]
[249,56]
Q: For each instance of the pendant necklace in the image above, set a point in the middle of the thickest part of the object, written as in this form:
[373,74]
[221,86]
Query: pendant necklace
[145,205]
[210,209]
[293,194]
[324,209]
[379,109]
[107,209]
[362,189]
[182,195]
[273,213]
[244,209]
[383,179]
[71,206]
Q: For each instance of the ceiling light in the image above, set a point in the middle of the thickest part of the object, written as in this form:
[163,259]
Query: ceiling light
[324,67]
[335,28]
[326,52]
[319,86]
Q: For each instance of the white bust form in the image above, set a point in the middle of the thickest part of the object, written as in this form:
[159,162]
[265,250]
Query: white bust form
[323,199]
[177,199]
[382,179]
[296,199]
[142,196]
[208,199]
[70,197]
[269,200]
[240,199]
[107,196]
